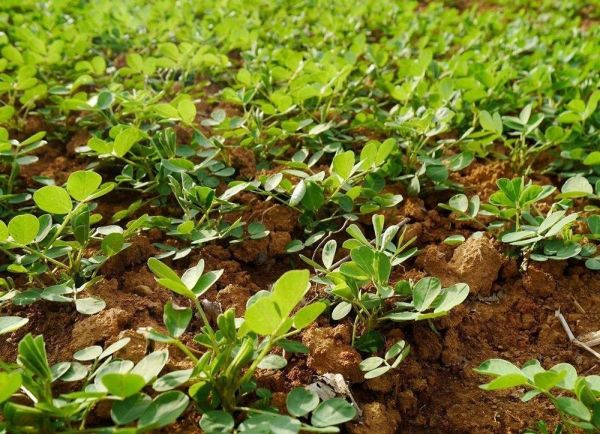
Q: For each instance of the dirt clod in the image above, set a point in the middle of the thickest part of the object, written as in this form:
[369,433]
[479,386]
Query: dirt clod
[330,352]
[538,282]
[477,263]
[97,328]
[377,418]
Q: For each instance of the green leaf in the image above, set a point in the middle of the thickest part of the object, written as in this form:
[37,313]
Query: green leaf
[10,382]
[436,172]
[176,318]
[32,355]
[328,253]
[6,113]
[425,292]
[342,309]
[454,240]
[273,181]
[24,228]
[573,408]
[370,363]
[53,199]
[83,183]
[89,305]
[3,231]
[216,421]
[191,276]
[272,361]
[292,346]
[318,129]
[592,159]
[298,193]
[126,411]
[460,161]
[294,246]
[81,226]
[313,197]
[123,384]
[162,270]
[263,317]
[558,226]
[497,367]
[151,365]
[187,111]
[164,410]
[125,140]
[206,281]
[512,237]
[112,244]
[403,316]
[343,164]
[270,423]
[548,379]
[309,313]
[177,287]
[355,232]
[505,382]
[451,297]
[59,369]
[104,189]
[172,380]
[166,111]
[290,289]
[568,381]
[113,348]
[528,396]
[593,263]
[489,123]
[88,353]
[334,411]
[105,99]
[577,186]
[301,401]
[135,62]
[593,223]
[459,202]
[9,324]
[98,145]
[377,372]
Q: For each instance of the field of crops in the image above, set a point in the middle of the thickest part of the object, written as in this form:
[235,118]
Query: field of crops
[277,216]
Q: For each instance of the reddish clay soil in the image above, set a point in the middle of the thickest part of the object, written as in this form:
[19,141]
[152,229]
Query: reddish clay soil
[510,314]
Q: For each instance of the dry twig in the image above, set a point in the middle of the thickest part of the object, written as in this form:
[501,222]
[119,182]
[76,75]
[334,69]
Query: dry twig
[572,337]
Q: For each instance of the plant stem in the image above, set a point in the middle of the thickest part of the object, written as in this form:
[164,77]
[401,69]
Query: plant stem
[183,347]
[211,331]
[41,255]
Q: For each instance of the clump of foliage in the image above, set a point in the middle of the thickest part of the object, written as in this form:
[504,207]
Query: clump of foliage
[222,379]
[361,283]
[29,403]
[574,397]
[520,222]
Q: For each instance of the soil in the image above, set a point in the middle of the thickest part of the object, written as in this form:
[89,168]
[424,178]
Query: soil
[510,314]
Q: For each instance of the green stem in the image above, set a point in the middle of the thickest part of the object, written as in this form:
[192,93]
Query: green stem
[211,332]
[250,372]
[41,255]
[186,350]
[65,222]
